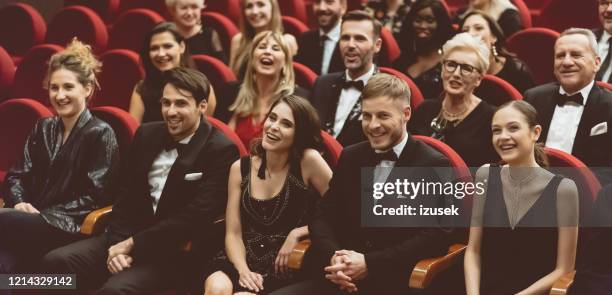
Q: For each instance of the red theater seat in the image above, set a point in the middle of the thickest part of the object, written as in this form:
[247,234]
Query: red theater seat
[224,27]
[218,73]
[496,91]
[230,134]
[106,9]
[524,12]
[559,15]
[7,74]
[304,76]
[31,72]
[17,118]
[334,149]
[536,47]
[416,97]
[389,50]
[121,71]
[229,8]
[129,30]
[22,27]
[122,123]
[159,6]
[294,26]
[294,8]
[81,22]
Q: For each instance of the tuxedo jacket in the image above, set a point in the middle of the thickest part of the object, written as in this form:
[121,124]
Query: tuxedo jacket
[311,53]
[389,251]
[324,97]
[195,192]
[592,149]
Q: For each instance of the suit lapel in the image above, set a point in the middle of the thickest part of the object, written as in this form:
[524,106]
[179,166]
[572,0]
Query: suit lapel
[318,53]
[172,188]
[548,110]
[588,115]
[331,104]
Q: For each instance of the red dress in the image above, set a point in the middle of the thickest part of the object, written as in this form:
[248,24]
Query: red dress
[247,130]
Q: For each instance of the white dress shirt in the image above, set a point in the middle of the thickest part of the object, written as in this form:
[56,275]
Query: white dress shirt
[383,169]
[565,121]
[333,36]
[160,170]
[604,47]
[348,99]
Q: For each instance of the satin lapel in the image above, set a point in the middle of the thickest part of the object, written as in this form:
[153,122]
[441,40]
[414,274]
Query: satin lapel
[548,108]
[182,163]
[589,114]
[332,103]
[318,52]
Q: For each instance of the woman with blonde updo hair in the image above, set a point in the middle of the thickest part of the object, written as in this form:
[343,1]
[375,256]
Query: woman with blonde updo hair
[256,16]
[65,170]
[269,75]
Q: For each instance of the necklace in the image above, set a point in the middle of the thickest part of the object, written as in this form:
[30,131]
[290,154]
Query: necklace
[450,116]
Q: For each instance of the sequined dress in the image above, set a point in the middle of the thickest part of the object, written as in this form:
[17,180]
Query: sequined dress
[266,224]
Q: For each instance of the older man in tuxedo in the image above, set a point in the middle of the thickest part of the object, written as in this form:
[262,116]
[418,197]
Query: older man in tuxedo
[336,96]
[575,113]
[378,259]
[174,186]
[319,47]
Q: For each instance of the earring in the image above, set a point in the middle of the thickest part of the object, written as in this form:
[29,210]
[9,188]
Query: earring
[494,49]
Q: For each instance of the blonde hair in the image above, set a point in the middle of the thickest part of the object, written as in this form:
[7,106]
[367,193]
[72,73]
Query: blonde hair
[496,8]
[247,100]
[467,41]
[170,4]
[387,85]
[79,59]
[248,33]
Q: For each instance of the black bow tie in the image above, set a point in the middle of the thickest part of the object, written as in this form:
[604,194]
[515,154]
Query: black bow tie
[358,84]
[170,144]
[386,156]
[562,99]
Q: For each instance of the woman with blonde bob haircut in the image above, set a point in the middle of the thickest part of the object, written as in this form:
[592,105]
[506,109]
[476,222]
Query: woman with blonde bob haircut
[256,16]
[525,223]
[269,75]
[460,118]
[65,171]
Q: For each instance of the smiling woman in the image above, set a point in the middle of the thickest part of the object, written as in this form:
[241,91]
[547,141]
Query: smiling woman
[271,198]
[256,16]
[269,75]
[55,184]
[460,119]
[163,49]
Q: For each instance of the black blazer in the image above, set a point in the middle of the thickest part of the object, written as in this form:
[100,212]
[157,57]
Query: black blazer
[594,151]
[186,208]
[325,96]
[65,182]
[388,250]
[311,53]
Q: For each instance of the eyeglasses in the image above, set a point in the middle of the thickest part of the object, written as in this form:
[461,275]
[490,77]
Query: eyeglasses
[604,3]
[465,69]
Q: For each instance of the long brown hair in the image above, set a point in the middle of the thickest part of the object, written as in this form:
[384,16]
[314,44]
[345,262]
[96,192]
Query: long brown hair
[531,117]
[307,128]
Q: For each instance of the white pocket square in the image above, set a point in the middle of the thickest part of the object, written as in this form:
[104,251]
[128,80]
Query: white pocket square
[193,176]
[600,128]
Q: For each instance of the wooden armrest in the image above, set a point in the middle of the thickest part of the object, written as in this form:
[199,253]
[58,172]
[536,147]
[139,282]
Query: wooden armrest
[296,258]
[562,285]
[427,269]
[96,221]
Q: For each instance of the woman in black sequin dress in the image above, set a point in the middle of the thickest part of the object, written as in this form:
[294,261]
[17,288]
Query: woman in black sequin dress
[272,195]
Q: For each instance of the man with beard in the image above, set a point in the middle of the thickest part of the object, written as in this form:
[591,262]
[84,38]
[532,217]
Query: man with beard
[336,96]
[604,37]
[319,47]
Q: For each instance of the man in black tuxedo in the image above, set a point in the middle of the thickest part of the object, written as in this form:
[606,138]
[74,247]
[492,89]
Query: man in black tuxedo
[336,95]
[319,47]
[604,38]
[173,187]
[575,112]
[373,260]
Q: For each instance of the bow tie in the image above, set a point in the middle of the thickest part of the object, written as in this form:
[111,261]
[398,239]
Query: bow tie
[358,84]
[170,144]
[386,156]
[562,99]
